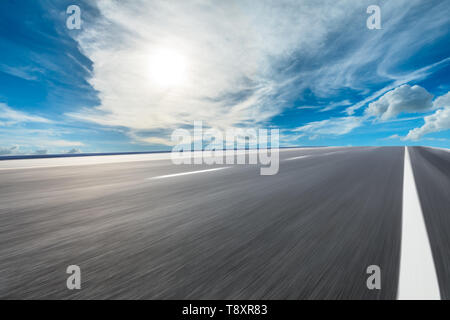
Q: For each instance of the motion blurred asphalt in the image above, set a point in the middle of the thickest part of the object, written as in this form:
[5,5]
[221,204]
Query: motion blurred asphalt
[432,174]
[308,232]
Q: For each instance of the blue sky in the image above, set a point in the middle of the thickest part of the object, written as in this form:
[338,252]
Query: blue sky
[137,70]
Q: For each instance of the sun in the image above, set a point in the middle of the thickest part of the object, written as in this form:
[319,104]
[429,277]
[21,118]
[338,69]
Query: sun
[168,68]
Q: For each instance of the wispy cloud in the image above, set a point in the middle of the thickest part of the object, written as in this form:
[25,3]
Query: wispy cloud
[20,140]
[23,72]
[399,80]
[224,46]
[335,105]
[234,53]
[333,126]
[12,116]
[139,69]
[401,100]
[245,62]
[63,143]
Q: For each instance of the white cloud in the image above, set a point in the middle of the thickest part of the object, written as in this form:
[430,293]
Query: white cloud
[12,116]
[333,126]
[23,72]
[231,50]
[63,143]
[404,99]
[415,75]
[439,121]
[308,107]
[52,139]
[442,101]
[245,60]
[393,137]
[151,139]
[335,105]
[369,58]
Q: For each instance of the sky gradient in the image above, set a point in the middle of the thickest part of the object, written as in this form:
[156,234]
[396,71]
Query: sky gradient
[137,70]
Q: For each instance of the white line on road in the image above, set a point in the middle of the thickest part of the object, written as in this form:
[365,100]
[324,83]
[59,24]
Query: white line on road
[418,280]
[313,155]
[186,173]
[328,153]
[295,158]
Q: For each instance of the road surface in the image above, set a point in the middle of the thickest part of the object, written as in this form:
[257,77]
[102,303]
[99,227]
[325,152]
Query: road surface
[139,230]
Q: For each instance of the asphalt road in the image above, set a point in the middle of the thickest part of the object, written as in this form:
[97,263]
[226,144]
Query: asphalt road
[309,232]
[432,174]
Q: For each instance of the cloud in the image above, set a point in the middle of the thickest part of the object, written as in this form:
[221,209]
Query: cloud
[439,121]
[335,105]
[236,54]
[74,151]
[404,99]
[63,143]
[399,80]
[52,139]
[23,72]
[326,107]
[13,116]
[442,101]
[246,61]
[333,126]
[393,137]
[308,107]
[367,59]
[9,151]
[41,152]
[230,49]
[156,140]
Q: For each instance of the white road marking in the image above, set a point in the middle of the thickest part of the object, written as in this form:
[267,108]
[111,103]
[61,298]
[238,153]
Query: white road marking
[328,153]
[295,158]
[186,173]
[418,280]
[313,155]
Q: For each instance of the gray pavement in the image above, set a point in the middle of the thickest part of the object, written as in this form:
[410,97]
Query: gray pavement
[308,232]
[432,174]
